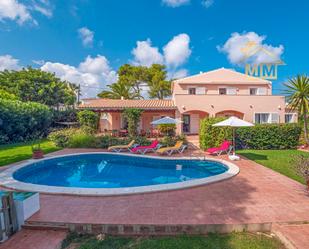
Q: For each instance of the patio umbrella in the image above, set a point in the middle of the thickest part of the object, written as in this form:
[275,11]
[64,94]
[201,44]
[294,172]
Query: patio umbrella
[234,123]
[166,120]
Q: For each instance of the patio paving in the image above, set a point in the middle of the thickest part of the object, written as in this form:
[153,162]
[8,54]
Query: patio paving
[293,236]
[35,239]
[256,195]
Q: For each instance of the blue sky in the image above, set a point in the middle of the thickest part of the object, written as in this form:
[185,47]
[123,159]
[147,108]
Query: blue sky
[86,41]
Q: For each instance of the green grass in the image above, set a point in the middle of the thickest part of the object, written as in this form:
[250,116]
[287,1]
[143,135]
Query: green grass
[277,160]
[17,152]
[212,241]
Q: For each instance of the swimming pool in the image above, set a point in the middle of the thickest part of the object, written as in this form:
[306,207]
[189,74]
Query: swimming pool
[108,173]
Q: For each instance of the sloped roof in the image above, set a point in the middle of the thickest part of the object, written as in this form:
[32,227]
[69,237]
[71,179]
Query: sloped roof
[222,76]
[119,104]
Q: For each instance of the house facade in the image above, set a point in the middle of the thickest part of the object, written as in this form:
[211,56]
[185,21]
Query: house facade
[218,93]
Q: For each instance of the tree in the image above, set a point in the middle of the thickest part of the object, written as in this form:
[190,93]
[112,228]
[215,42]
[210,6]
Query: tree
[133,116]
[119,90]
[35,85]
[298,96]
[159,87]
[130,81]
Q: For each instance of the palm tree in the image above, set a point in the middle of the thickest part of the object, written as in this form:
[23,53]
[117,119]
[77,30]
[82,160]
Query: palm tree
[298,96]
[119,90]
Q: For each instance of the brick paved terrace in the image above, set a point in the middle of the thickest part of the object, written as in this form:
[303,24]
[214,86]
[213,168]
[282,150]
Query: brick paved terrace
[257,194]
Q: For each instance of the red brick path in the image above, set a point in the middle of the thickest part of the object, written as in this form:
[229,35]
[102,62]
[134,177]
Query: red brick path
[255,195]
[34,239]
[296,236]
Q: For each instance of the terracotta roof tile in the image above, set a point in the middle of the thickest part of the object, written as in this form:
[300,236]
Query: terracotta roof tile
[118,104]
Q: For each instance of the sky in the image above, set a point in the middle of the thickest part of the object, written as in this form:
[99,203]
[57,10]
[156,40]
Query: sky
[85,41]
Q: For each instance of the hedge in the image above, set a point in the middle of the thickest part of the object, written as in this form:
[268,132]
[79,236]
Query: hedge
[88,121]
[21,121]
[211,136]
[268,136]
[260,136]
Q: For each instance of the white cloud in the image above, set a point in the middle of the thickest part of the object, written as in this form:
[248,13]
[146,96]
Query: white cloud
[145,54]
[93,74]
[177,51]
[207,3]
[15,11]
[44,9]
[178,74]
[175,3]
[8,62]
[87,36]
[239,52]
[39,62]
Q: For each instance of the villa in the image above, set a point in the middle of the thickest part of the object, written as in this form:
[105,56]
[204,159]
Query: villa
[218,93]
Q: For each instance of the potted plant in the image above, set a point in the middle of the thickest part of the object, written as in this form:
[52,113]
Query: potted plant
[301,164]
[37,152]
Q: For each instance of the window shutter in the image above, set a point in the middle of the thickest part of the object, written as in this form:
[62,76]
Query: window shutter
[200,90]
[274,118]
[261,91]
[231,91]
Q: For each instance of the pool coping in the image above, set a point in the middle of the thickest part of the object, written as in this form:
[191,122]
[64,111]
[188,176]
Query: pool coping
[8,181]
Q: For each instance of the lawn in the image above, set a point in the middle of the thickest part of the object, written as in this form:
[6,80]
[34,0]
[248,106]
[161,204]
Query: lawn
[228,241]
[277,160]
[17,152]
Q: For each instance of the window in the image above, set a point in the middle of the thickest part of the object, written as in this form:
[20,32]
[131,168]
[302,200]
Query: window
[227,90]
[231,91]
[253,91]
[222,91]
[266,118]
[192,91]
[258,91]
[104,116]
[200,90]
[290,118]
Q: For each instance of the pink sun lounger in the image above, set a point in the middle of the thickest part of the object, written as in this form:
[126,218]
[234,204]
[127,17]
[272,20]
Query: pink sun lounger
[224,147]
[144,149]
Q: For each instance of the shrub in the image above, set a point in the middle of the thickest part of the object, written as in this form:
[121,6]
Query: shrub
[301,164]
[61,137]
[211,136]
[268,136]
[20,121]
[6,95]
[167,129]
[133,116]
[88,121]
[68,115]
[171,141]
[105,141]
[140,140]
[83,140]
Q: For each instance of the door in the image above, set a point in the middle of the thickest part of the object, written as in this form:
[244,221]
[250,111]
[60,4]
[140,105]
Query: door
[195,123]
[186,123]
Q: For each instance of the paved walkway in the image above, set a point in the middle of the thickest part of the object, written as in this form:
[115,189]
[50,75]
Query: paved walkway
[257,194]
[294,236]
[35,239]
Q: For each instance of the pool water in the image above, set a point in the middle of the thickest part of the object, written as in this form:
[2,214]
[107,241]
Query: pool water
[115,171]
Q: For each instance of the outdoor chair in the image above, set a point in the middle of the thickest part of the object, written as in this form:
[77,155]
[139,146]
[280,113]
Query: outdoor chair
[144,149]
[119,148]
[179,147]
[226,147]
